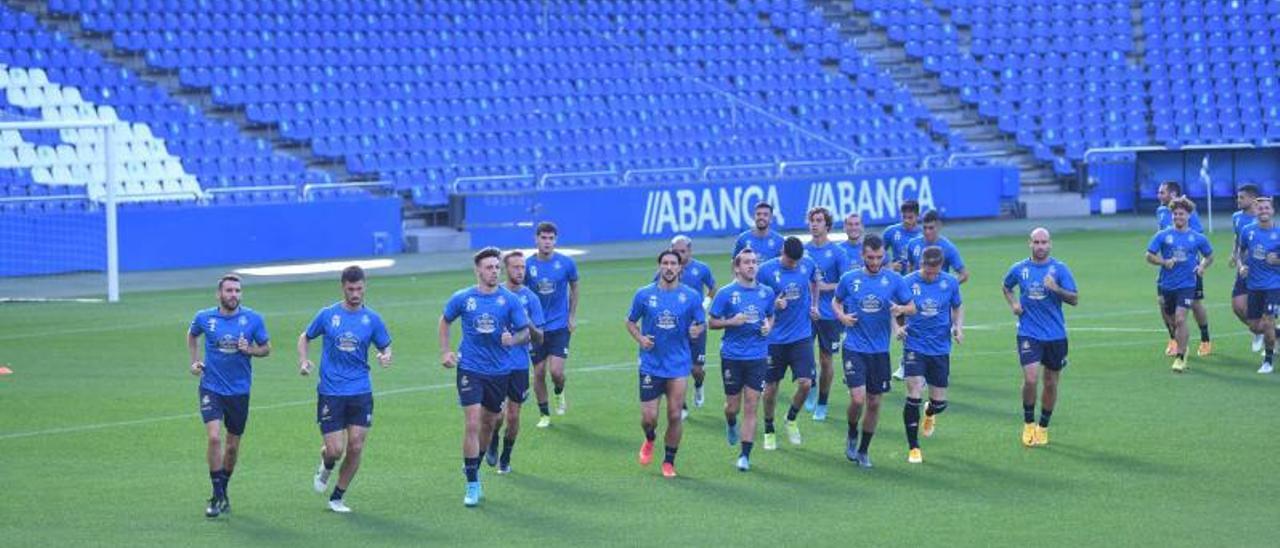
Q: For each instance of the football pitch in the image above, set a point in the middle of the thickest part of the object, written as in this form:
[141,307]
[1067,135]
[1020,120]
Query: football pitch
[101,442]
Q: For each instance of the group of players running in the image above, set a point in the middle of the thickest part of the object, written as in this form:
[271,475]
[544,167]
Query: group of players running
[1183,253]
[851,297]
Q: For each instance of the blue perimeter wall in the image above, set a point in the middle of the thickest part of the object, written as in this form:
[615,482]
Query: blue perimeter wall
[629,213]
[155,238]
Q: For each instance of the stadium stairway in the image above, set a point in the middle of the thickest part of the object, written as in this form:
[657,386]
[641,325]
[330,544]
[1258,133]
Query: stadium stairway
[1043,193]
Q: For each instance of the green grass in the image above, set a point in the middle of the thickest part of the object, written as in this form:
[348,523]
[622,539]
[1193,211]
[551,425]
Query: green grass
[1138,456]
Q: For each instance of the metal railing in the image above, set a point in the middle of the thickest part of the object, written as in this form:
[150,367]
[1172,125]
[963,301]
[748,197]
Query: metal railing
[783,165]
[309,187]
[453,187]
[951,158]
[628,174]
[708,170]
[857,164]
[542,181]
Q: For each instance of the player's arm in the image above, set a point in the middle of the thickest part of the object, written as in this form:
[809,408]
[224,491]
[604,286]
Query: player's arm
[957,323]
[846,319]
[573,306]
[193,349]
[1205,262]
[304,349]
[641,339]
[1067,296]
[517,338]
[813,297]
[253,349]
[1158,260]
[1011,300]
[448,357]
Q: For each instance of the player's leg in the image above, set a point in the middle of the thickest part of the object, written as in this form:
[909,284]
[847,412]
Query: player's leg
[471,397]
[675,390]
[1202,319]
[651,389]
[558,353]
[353,451]
[214,455]
[800,354]
[733,374]
[937,375]
[698,348]
[1166,316]
[857,399]
[491,447]
[1181,335]
[517,392]
[750,401]
[540,387]
[330,454]
[1048,400]
[911,413]
[1267,323]
[770,402]
[1030,380]
[825,374]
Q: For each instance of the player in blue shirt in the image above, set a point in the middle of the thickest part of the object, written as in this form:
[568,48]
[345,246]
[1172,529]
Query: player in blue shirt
[554,277]
[344,408]
[1169,191]
[931,225]
[832,263]
[1182,255]
[518,389]
[1245,197]
[926,354]
[897,235]
[1043,283]
[794,280]
[695,274]
[766,242]
[868,303]
[1260,249]
[744,310]
[852,245]
[493,322]
[233,335]
[664,317]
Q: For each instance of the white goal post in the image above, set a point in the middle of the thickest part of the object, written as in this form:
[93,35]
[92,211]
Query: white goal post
[50,253]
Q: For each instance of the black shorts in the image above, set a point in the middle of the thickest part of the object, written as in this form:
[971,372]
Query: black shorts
[1173,299]
[233,410]
[554,343]
[936,370]
[743,373]
[797,355]
[698,349]
[518,385]
[869,370]
[1051,354]
[488,391]
[829,332]
[1239,288]
[1263,302]
[653,387]
[336,413]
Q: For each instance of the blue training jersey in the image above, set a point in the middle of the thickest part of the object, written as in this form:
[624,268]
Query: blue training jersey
[951,260]
[1164,219]
[666,315]
[868,296]
[767,247]
[697,275]
[226,370]
[852,254]
[344,360]
[518,356]
[485,317]
[1239,220]
[550,280]
[744,342]
[929,329]
[832,263]
[792,323]
[1041,309]
[1185,248]
[1255,244]
[896,237]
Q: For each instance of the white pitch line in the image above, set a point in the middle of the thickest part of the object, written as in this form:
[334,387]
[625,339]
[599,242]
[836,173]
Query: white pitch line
[281,405]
